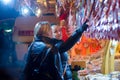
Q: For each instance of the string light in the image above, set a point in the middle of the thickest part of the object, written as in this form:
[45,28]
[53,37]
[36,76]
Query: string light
[24,11]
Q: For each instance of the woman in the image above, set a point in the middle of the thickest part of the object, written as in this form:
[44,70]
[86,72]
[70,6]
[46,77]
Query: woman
[41,55]
[43,62]
[67,74]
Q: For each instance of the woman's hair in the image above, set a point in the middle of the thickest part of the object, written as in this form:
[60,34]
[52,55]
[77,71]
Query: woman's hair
[41,29]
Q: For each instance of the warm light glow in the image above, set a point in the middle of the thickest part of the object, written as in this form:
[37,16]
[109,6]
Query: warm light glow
[43,2]
[100,0]
[38,12]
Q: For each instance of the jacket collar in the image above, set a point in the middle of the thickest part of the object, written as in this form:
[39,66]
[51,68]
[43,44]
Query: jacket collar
[48,40]
[44,39]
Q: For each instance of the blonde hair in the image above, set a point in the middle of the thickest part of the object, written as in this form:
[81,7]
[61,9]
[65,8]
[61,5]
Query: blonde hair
[41,29]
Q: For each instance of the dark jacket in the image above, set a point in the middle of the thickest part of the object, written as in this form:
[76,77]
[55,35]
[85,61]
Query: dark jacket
[63,47]
[64,60]
[41,61]
[43,55]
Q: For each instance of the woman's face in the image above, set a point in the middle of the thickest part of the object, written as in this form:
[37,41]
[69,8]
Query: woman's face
[57,32]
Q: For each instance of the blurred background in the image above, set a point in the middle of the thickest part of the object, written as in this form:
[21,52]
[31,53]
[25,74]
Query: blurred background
[99,46]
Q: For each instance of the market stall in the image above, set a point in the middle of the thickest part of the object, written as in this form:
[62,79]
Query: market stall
[98,47]
[98,50]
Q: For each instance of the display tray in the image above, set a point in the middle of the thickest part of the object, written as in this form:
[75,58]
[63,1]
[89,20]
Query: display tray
[99,76]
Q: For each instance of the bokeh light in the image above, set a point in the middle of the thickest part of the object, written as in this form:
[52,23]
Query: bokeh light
[6,1]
